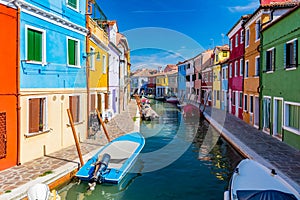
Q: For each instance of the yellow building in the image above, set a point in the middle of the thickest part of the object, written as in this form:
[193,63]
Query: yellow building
[97,62]
[221,54]
[161,85]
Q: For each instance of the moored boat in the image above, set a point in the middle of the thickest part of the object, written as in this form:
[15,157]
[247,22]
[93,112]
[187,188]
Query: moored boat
[172,99]
[253,181]
[112,162]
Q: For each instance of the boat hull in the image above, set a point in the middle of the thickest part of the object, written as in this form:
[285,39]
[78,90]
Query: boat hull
[123,151]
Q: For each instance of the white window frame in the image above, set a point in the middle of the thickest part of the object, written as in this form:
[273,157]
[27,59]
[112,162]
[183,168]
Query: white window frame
[77,5]
[236,40]
[256,67]
[245,102]
[231,44]
[44,45]
[257,30]
[286,118]
[273,50]
[46,129]
[241,94]
[251,96]
[230,70]
[285,53]
[104,64]
[241,66]
[242,36]
[235,68]
[78,52]
[246,72]
[247,37]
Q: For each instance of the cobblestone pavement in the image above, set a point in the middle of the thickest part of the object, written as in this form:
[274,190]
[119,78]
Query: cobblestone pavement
[17,176]
[281,156]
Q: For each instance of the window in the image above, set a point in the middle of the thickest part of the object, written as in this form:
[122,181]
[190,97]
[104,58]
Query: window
[188,66]
[215,97]
[35,44]
[231,44]
[92,103]
[74,105]
[73,52]
[225,54]
[223,73]
[188,78]
[104,64]
[242,37]
[193,77]
[251,104]
[292,116]
[236,40]
[247,37]
[257,29]
[257,66]
[245,102]
[233,98]
[270,59]
[241,67]
[199,76]
[73,4]
[241,100]
[218,95]
[230,70]
[291,55]
[217,58]
[235,68]
[247,69]
[92,58]
[37,115]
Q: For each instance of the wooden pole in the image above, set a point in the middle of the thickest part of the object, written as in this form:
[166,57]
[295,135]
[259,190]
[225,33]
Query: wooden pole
[75,137]
[102,123]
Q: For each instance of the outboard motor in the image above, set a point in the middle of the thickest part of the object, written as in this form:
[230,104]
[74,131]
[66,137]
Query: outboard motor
[100,168]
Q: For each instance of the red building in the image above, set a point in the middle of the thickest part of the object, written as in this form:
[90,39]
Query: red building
[8,87]
[236,68]
[207,82]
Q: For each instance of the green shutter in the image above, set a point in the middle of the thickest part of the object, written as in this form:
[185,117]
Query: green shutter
[284,56]
[72,3]
[34,45]
[71,52]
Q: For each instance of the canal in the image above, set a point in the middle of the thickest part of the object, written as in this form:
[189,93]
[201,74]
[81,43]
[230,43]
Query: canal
[182,159]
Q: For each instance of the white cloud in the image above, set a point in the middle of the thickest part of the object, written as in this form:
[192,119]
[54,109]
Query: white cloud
[249,7]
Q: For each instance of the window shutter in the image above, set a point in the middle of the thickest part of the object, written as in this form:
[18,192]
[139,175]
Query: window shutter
[284,56]
[273,59]
[30,44]
[34,115]
[38,46]
[106,100]
[71,52]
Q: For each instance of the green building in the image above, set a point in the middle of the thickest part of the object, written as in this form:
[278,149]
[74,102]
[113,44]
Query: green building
[280,78]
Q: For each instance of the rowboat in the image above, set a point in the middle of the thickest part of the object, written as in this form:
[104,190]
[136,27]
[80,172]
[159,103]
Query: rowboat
[113,161]
[253,181]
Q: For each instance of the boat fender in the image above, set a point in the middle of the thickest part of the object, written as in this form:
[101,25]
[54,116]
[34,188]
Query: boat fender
[226,195]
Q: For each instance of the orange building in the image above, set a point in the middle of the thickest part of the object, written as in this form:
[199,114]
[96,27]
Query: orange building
[8,87]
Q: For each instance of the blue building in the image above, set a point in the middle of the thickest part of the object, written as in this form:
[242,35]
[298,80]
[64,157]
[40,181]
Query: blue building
[224,86]
[52,75]
[181,79]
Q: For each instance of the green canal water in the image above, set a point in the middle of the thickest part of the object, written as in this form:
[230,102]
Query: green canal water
[182,159]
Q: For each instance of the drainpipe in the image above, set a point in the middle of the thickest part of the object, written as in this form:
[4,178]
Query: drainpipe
[15,2]
[87,68]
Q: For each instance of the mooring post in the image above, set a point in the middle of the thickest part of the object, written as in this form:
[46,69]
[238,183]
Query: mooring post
[75,137]
[103,125]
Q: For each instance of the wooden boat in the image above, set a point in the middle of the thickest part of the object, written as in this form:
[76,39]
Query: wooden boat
[253,181]
[112,162]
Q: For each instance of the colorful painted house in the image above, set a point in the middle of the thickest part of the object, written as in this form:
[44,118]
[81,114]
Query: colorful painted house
[113,68]
[97,60]
[264,14]
[162,84]
[172,81]
[224,86]
[221,54]
[9,87]
[181,79]
[123,46]
[151,87]
[280,96]
[52,75]
[236,37]
[201,61]
[140,81]
[207,83]
[190,78]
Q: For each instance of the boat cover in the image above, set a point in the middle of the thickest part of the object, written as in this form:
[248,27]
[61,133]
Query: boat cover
[264,195]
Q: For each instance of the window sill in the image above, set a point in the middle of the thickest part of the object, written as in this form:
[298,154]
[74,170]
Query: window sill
[269,72]
[290,68]
[72,8]
[74,66]
[28,135]
[291,130]
[75,124]
[36,62]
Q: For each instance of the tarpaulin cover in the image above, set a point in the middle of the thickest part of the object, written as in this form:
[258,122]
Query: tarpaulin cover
[264,195]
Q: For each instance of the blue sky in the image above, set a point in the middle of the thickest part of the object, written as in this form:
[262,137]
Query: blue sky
[163,32]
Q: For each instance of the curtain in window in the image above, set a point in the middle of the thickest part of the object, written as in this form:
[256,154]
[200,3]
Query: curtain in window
[34,115]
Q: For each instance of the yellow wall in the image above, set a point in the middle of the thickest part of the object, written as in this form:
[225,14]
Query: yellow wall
[162,81]
[217,84]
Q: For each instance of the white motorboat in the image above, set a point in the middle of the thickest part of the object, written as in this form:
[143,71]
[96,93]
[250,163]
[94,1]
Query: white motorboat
[253,181]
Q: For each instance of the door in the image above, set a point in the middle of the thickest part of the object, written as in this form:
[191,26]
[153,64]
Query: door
[256,112]
[99,103]
[237,104]
[266,114]
[277,124]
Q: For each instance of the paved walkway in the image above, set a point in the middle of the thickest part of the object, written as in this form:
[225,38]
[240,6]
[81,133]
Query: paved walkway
[258,145]
[15,181]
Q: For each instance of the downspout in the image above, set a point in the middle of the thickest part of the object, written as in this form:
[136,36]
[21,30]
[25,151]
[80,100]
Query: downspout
[87,68]
[18,81]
